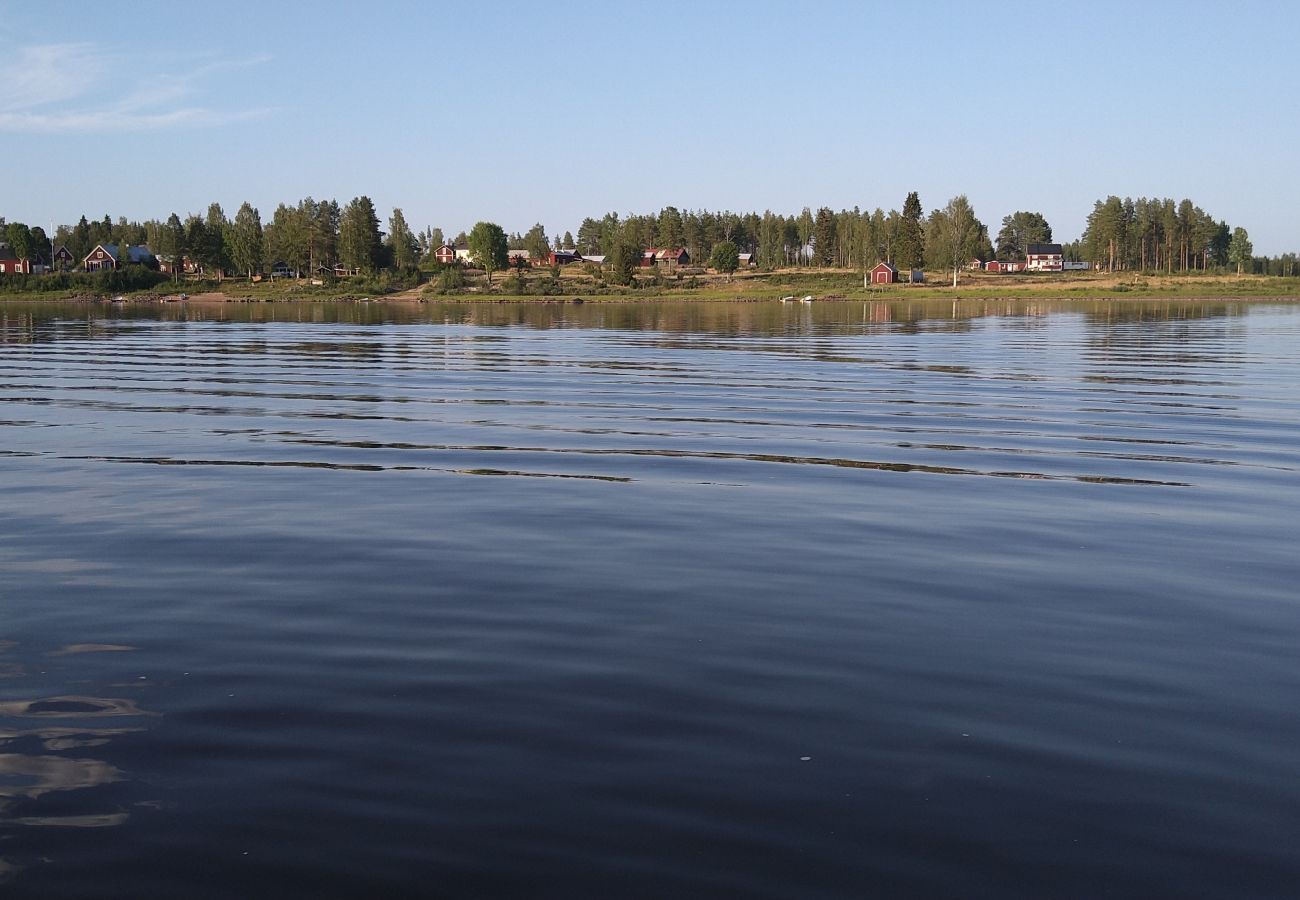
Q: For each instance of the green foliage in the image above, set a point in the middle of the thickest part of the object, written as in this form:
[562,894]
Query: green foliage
[726,257]
[102,283]
[19,238]
[360,248]
[954,236]
[172,237]
[402,244]
[488,248]
[624,258]
[1240,250]
[537,244]
[824,228]
[1019,230]
[244,240]
[909,245]
[452,278]
[515,283]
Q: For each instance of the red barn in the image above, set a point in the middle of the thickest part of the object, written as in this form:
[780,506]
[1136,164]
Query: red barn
[884,273]
[994,266]
[445,255]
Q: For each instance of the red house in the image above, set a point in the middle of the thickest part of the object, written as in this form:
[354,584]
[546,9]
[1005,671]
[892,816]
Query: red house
[11,264]
[63,258]
[445,255]
[107,256]
[563,257]
[884,273]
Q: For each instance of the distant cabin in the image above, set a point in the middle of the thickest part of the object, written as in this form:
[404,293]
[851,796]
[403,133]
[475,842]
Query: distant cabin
[666,259]
[12,264]
[280,269]
[563,257]
[445,255]
[746,260]
[975,265]
[1044,258]
[519,258]
[63,258]
[884,273]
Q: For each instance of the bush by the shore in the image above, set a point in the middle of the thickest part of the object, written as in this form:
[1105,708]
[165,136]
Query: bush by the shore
[114,281]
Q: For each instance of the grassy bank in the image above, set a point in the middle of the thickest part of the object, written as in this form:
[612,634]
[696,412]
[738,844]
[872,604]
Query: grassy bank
[574,283]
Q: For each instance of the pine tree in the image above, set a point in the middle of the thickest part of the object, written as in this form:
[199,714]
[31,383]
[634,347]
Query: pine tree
[824,238]
[909,246]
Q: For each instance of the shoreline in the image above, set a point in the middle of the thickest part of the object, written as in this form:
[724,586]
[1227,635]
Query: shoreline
[220,298]
[828,285]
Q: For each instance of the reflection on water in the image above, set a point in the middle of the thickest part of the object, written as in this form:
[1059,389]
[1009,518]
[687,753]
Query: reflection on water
[830,600]
[39,763]
[44,321]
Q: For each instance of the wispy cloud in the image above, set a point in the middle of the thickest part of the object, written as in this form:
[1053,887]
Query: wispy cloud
[78,87]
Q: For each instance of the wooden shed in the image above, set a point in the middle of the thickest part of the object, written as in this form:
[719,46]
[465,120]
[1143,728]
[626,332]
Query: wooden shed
[884,273]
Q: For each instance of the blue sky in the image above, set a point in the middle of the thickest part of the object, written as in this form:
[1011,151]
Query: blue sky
[518,113]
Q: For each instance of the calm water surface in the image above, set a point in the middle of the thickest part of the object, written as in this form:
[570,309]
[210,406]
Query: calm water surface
[708,600]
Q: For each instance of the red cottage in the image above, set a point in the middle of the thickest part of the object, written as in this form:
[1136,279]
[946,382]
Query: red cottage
[104,256]
[445,255]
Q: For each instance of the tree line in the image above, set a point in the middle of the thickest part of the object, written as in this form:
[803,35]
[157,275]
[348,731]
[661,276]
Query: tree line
[1161,235]
[1121,234]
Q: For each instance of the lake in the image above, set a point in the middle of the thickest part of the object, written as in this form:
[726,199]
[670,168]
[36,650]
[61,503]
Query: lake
[942,599]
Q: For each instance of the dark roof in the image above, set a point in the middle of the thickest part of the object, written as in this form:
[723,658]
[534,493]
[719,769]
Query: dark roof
[136,254]
[1044,249]
[7,253]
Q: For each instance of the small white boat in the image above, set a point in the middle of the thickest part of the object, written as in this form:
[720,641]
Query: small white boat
[807,299]
[789,299]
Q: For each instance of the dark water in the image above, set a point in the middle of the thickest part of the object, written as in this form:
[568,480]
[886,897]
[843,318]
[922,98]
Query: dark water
[842,600]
